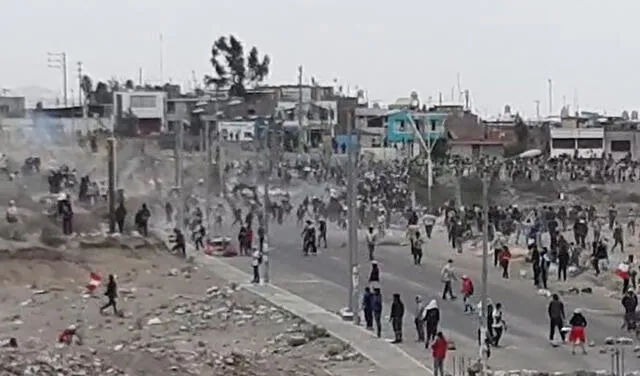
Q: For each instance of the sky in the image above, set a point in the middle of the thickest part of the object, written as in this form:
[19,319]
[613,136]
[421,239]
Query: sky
[502,51]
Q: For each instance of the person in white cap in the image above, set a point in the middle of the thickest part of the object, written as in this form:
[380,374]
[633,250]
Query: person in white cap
[577,335]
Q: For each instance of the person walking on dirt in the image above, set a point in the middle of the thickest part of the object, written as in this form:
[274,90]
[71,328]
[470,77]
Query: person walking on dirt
[67,216]
[111,293]
[178,239]
[142,220]
[12,212]
[121,213]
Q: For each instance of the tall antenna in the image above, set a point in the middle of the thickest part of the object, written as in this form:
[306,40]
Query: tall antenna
[161,58]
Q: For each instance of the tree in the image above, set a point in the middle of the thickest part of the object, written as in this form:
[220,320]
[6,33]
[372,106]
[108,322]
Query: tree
[86,85]
[102,94]
[232,71]
[129,85]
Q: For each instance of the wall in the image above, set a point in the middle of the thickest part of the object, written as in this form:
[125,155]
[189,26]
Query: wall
[12,107]
[238,130]
[577,134]
[70,125]
[155,111]
[399,129]
[466,150]
[633,137]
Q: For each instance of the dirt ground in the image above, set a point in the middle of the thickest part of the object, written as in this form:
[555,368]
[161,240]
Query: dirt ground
[175,319]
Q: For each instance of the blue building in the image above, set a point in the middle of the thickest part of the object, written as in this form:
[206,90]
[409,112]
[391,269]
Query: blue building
[430,124]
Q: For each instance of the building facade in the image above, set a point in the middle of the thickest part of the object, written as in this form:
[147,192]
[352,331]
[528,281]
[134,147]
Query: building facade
[12,107]
[429,124]
[577,142]
[148,107]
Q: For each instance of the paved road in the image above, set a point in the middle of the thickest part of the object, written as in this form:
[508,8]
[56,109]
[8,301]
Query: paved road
[323,280]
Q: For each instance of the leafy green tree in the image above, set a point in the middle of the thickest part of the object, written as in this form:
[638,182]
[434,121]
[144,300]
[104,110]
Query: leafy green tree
[129,85]
[234,72]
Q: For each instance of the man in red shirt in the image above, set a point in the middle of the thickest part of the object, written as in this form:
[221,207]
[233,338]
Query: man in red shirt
[439,351]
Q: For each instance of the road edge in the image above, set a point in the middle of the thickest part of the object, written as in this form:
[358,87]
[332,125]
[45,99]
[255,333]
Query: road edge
[383,354]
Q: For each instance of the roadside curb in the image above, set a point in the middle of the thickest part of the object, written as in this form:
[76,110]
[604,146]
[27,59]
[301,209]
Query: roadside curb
[391,358]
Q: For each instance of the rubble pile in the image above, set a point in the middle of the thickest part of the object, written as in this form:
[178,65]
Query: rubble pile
[50,363]
[198,334]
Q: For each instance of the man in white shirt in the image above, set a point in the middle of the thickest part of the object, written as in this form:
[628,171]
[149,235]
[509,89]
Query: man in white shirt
[371,242]
[428,220]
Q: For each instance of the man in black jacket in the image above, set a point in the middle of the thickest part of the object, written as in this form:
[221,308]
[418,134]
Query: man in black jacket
[556,317]
[397,312]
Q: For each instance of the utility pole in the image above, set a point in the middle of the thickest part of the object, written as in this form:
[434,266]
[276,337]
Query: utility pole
[300,112]
[272,146]
[351,312]
[111,193]
[58,60]
[220,150]
[537,102]
[179,149]
[485,272]
[207,182]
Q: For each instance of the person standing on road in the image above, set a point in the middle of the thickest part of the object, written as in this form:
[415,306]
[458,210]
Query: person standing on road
[419,318]
[535,265]
[256,260]
[397,313]
[577,335]
[121,214]
[439,352]
[371,242]
[498,324]
[416,248]
[467,292]
[563,259]
[556,317]
[374,276]
[630,304]
[447,276]
[432,319]
[505,258]
[376,303]
[428,220]
[367,307]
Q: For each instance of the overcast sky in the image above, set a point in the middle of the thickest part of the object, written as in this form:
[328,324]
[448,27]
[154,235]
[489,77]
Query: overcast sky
[504,50]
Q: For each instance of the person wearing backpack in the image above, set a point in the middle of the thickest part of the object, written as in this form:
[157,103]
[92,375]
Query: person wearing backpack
[467,292]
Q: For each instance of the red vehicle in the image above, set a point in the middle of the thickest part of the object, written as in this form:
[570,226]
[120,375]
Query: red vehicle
[220,246]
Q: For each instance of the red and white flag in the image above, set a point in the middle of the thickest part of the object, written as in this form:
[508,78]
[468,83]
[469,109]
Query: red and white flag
[94,282]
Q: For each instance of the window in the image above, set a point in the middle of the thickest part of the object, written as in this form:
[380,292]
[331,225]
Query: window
[402,128]
[563,143]
[142,101]
[171,107]
[247,135]
[620,146]
[590,143]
